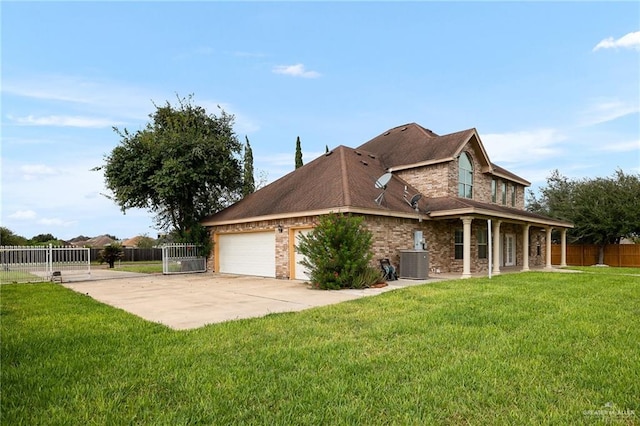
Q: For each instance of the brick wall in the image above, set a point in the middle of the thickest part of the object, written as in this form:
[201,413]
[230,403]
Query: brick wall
[431,181]
[441,180]
[391,235]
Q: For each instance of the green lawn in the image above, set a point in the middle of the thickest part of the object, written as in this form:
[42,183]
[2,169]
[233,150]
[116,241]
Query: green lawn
[17,276]
[534,348]
[150,267]
[606,270]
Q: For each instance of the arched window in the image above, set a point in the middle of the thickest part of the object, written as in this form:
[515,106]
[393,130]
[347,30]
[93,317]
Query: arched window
[465,176]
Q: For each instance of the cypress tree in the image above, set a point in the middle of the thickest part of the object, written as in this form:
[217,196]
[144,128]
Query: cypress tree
[298,153]
[248,184]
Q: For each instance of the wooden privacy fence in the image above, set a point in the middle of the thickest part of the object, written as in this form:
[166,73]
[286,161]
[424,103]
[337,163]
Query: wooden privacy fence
[627,255]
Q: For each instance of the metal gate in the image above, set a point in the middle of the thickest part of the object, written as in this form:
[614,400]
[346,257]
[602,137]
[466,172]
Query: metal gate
[183,258]
[24,264]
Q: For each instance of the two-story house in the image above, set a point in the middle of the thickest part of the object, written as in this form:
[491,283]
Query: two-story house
[413,188]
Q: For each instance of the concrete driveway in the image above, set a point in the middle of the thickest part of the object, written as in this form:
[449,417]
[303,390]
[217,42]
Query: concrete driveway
[193,300]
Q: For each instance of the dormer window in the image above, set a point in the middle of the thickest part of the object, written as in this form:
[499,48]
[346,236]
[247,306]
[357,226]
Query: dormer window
[465,176]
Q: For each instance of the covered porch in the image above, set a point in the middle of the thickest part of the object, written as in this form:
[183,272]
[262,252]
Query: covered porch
[515,239]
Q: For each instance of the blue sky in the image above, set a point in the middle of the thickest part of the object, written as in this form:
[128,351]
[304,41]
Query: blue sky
[547,85]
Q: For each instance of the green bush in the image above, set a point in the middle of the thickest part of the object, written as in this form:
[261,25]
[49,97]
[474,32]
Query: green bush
[337,253]
[369,277]
[110,254]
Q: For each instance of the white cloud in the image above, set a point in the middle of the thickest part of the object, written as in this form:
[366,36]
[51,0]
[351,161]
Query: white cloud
[23,215]
[56,222]
[523,147]
[631,146]
[63,121]
[38,169]
[296,70]
[32,172]
[608,110]
[100,96]
[627,41]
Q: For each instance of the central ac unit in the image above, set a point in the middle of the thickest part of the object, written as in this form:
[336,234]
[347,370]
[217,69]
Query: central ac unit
[414,264]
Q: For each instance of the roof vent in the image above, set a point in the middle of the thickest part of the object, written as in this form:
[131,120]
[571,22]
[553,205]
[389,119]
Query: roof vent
[372,156]
[386,134]
[328,153]
[403,129]
[357,152]
[364,162]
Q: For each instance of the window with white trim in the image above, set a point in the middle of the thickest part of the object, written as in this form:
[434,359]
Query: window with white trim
[494,191]
[482,243]
[465,176]
[459,243]
[504,192]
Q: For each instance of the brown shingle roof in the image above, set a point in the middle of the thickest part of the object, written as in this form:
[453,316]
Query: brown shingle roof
[341,179]
[502,172]
[344,180]
[413,144]
[455,206]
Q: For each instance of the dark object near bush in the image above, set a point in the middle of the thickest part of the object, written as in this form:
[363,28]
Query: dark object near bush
[389,271]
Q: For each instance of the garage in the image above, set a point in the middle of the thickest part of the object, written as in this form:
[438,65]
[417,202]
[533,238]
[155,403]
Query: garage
[299,271]
[252,253]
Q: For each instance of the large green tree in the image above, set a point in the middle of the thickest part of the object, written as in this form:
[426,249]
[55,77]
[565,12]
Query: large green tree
[248,183]
[182,166]
[9,238]
[603,210]
[298,153]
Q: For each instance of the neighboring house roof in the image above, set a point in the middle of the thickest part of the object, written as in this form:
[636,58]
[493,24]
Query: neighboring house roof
[132,242]
[99,241]
[340,180]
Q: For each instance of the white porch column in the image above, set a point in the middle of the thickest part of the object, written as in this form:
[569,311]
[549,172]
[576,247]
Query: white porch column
[525,247]
[466,247]
[496,247]
[563,248]
[548,250]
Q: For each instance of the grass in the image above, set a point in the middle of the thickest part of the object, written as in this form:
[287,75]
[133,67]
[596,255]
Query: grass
[17,276]
[606,270]
[534,348]
[151,267]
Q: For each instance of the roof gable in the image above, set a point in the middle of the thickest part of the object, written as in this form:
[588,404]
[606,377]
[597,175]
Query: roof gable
[412,145]
[340,179]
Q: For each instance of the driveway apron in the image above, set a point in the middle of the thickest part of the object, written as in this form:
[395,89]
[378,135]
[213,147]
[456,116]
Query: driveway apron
[194,300]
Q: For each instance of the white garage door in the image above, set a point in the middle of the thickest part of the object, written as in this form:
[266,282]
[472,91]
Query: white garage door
[252,253]
[300,271]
